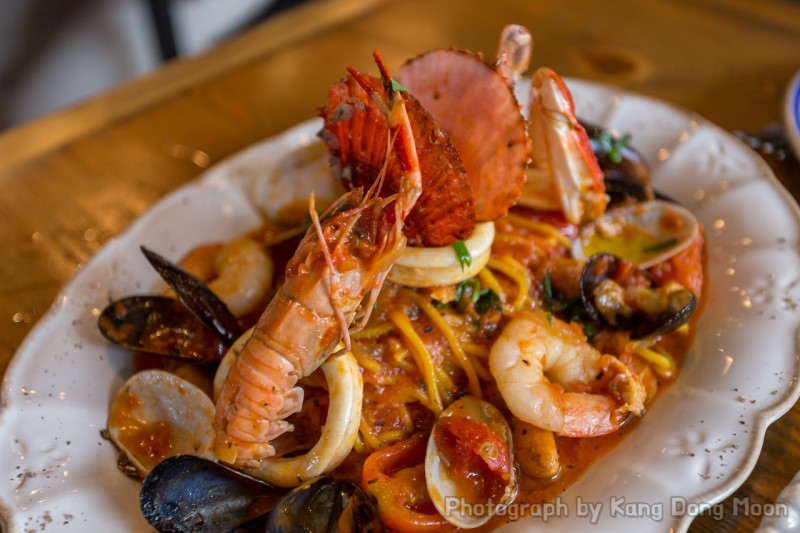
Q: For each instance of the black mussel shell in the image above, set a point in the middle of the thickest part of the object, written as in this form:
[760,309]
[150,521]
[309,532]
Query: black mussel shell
[621,192]
[602,266]
[325,505]
[627,177]
[197,297]
[188,494]
[160,325]
[682,304]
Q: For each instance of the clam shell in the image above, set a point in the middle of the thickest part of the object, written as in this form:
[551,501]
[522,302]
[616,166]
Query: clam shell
[157,415]
[646,233]
[456,504]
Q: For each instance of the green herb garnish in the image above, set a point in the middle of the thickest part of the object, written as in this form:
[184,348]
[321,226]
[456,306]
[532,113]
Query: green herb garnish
[589,330]
[398,87]
[437,304]
[660,246]
[463,254]
[466,292]
[548,289]
[613,146]
[549,318]
[487,300]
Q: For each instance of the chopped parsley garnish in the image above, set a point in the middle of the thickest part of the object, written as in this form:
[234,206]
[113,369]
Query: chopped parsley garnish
[470,291]
[467,288]
[613,146]
[398,87]
[588,329]
[548,289]
[463,254]
[487,300]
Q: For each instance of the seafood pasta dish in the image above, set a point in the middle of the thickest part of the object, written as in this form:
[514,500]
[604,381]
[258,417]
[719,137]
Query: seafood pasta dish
[464,307]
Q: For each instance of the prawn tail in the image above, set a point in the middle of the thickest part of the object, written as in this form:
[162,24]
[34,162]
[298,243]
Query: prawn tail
[592,415]
[625,385]
[258,395]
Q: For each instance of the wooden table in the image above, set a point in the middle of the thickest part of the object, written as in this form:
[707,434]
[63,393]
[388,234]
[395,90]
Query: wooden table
[74,179]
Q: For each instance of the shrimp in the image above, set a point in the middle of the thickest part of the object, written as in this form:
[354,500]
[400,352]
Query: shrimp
[239,272]
[549,376]
[343,258]
[565,175]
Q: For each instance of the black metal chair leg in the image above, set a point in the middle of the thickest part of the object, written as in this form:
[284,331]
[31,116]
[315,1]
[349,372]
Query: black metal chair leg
[163,24]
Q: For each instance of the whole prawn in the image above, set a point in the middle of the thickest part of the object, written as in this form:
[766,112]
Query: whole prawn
[344,257]
[551,377]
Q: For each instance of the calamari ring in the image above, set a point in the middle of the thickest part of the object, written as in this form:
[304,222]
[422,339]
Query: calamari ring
[346,389]
[432,266]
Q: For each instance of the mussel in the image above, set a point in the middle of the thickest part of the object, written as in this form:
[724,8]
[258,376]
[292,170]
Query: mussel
[644,311]
[186,493]
[197,297]
[644,233]
[159,325]
[325,505]
[157,414]
[197,326]
[625,172]
[469,464]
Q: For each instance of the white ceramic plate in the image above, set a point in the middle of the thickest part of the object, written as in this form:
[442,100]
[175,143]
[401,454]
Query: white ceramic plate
[694,447]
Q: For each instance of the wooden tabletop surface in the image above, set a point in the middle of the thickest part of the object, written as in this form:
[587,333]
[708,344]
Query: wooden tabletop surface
[73,180]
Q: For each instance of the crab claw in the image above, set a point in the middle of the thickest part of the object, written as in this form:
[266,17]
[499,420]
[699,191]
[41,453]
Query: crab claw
[565,175]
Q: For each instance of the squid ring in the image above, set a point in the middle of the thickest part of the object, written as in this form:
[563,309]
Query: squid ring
[346,389]
[430,266]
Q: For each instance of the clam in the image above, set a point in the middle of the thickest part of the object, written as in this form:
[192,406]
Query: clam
[644,311]
[644,233]
[470,469]
[157,414]
[325,505]
[187,493]
[159,325]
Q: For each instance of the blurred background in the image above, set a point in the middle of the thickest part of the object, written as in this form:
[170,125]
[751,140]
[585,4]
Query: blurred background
[58,52]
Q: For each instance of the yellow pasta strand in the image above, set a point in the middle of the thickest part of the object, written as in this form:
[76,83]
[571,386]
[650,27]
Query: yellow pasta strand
[541,227]
[391,436]
[421,355]
[472,349]
[366,363]
[516,272]
[358,445]
[368,436]
[439,321]
[662,361]
[482,369]
[373,332]
[488,280]
[444,380]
